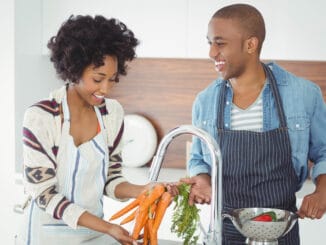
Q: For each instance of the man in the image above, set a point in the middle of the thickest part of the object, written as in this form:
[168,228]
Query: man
[267,121]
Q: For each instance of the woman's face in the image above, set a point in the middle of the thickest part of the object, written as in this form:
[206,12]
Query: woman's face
[227,47]
[96,82]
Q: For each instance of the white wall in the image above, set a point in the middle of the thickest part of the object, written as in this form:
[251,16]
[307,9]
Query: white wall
[172,28]
[166,28]
[7,121]
[34,75]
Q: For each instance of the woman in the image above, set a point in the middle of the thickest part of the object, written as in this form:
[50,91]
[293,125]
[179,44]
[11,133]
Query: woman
[72,141]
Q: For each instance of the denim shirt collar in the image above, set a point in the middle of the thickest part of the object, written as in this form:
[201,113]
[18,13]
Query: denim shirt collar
[268,99]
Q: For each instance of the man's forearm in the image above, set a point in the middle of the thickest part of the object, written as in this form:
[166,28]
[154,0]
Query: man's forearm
[321,183]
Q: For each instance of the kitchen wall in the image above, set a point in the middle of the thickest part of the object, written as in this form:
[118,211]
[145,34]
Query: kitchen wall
[166,28]
[7,122]
[172,28]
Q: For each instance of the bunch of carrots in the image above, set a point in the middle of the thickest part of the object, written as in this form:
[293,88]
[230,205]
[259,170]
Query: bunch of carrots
[148,211]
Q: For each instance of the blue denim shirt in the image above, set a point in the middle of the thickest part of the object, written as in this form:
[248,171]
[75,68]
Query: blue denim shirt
[305,112]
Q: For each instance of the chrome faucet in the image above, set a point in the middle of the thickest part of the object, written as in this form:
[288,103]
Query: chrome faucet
[214,233]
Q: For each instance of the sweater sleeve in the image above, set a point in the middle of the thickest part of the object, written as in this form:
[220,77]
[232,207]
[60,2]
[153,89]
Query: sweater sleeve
[39,149]
[114,122]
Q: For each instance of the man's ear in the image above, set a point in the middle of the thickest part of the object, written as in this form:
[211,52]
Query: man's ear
[252,45]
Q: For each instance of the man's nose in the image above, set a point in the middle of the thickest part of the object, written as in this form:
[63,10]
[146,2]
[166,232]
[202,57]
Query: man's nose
[213,51]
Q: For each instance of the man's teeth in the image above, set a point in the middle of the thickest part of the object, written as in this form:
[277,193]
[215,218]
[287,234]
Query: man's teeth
[99,96]
[220,62]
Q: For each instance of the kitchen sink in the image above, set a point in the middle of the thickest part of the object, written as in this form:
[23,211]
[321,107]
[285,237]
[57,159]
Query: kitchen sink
[168,242]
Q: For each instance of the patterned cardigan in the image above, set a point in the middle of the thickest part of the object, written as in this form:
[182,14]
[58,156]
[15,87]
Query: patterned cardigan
[41,137]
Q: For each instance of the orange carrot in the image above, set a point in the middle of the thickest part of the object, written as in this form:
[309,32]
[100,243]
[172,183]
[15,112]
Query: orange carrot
[130,206]
[162,205]
[146,234]
[154,224]
[128,218]
[140,221]
[142,218]
[152,234]
[153,195]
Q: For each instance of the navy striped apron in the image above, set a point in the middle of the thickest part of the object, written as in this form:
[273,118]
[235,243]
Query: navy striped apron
[257,169]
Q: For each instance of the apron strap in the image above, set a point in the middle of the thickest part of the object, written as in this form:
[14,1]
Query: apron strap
[220,106]
[276,94]
[65,108]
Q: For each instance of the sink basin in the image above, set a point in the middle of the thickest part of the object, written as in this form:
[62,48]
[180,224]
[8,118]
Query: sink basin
[168,242]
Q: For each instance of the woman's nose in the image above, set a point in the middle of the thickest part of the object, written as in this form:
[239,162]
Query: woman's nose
[106,87]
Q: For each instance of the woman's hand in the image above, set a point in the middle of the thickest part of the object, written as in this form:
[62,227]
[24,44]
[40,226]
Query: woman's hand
[121,235]
[201,190]
[171,187]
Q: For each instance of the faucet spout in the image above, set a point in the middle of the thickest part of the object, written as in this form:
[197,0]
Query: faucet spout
[214,233]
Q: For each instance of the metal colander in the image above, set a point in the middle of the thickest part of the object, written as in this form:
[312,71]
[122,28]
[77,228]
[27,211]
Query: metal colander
[260,231]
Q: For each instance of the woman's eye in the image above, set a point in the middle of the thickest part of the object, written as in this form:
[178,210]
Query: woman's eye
[97,81]
[116,79]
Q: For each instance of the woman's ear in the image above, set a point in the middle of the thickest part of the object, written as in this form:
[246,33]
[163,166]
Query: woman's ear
[252,45]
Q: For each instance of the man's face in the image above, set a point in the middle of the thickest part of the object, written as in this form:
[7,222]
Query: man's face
[227,47]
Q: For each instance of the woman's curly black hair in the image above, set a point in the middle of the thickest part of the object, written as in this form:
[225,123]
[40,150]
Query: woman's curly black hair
[84,40]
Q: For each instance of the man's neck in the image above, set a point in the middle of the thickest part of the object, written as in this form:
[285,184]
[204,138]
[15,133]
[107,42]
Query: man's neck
[252,79]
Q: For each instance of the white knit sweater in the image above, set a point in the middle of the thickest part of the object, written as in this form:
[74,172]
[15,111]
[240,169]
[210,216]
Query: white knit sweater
[41,137]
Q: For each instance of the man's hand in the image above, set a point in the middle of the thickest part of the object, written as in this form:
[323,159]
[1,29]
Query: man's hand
[201,190]
[314,205]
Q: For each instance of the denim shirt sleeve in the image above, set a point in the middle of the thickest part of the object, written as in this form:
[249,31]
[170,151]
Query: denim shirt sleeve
[317,150]
[204,117]
[197,164]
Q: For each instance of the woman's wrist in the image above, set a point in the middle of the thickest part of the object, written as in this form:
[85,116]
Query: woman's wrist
[128,190]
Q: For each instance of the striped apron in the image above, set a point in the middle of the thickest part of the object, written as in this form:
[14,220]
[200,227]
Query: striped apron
[81,175]
[257,169]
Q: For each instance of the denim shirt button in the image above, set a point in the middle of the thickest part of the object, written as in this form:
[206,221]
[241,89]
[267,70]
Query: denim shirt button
[204,122]
[297,125]
[227,102]
[226,125]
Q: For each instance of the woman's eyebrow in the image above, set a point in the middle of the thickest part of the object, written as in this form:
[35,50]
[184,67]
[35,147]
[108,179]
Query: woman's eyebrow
[100,73]
[114,75]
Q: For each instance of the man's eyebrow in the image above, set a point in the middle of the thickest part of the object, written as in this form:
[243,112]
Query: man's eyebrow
[214,38]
